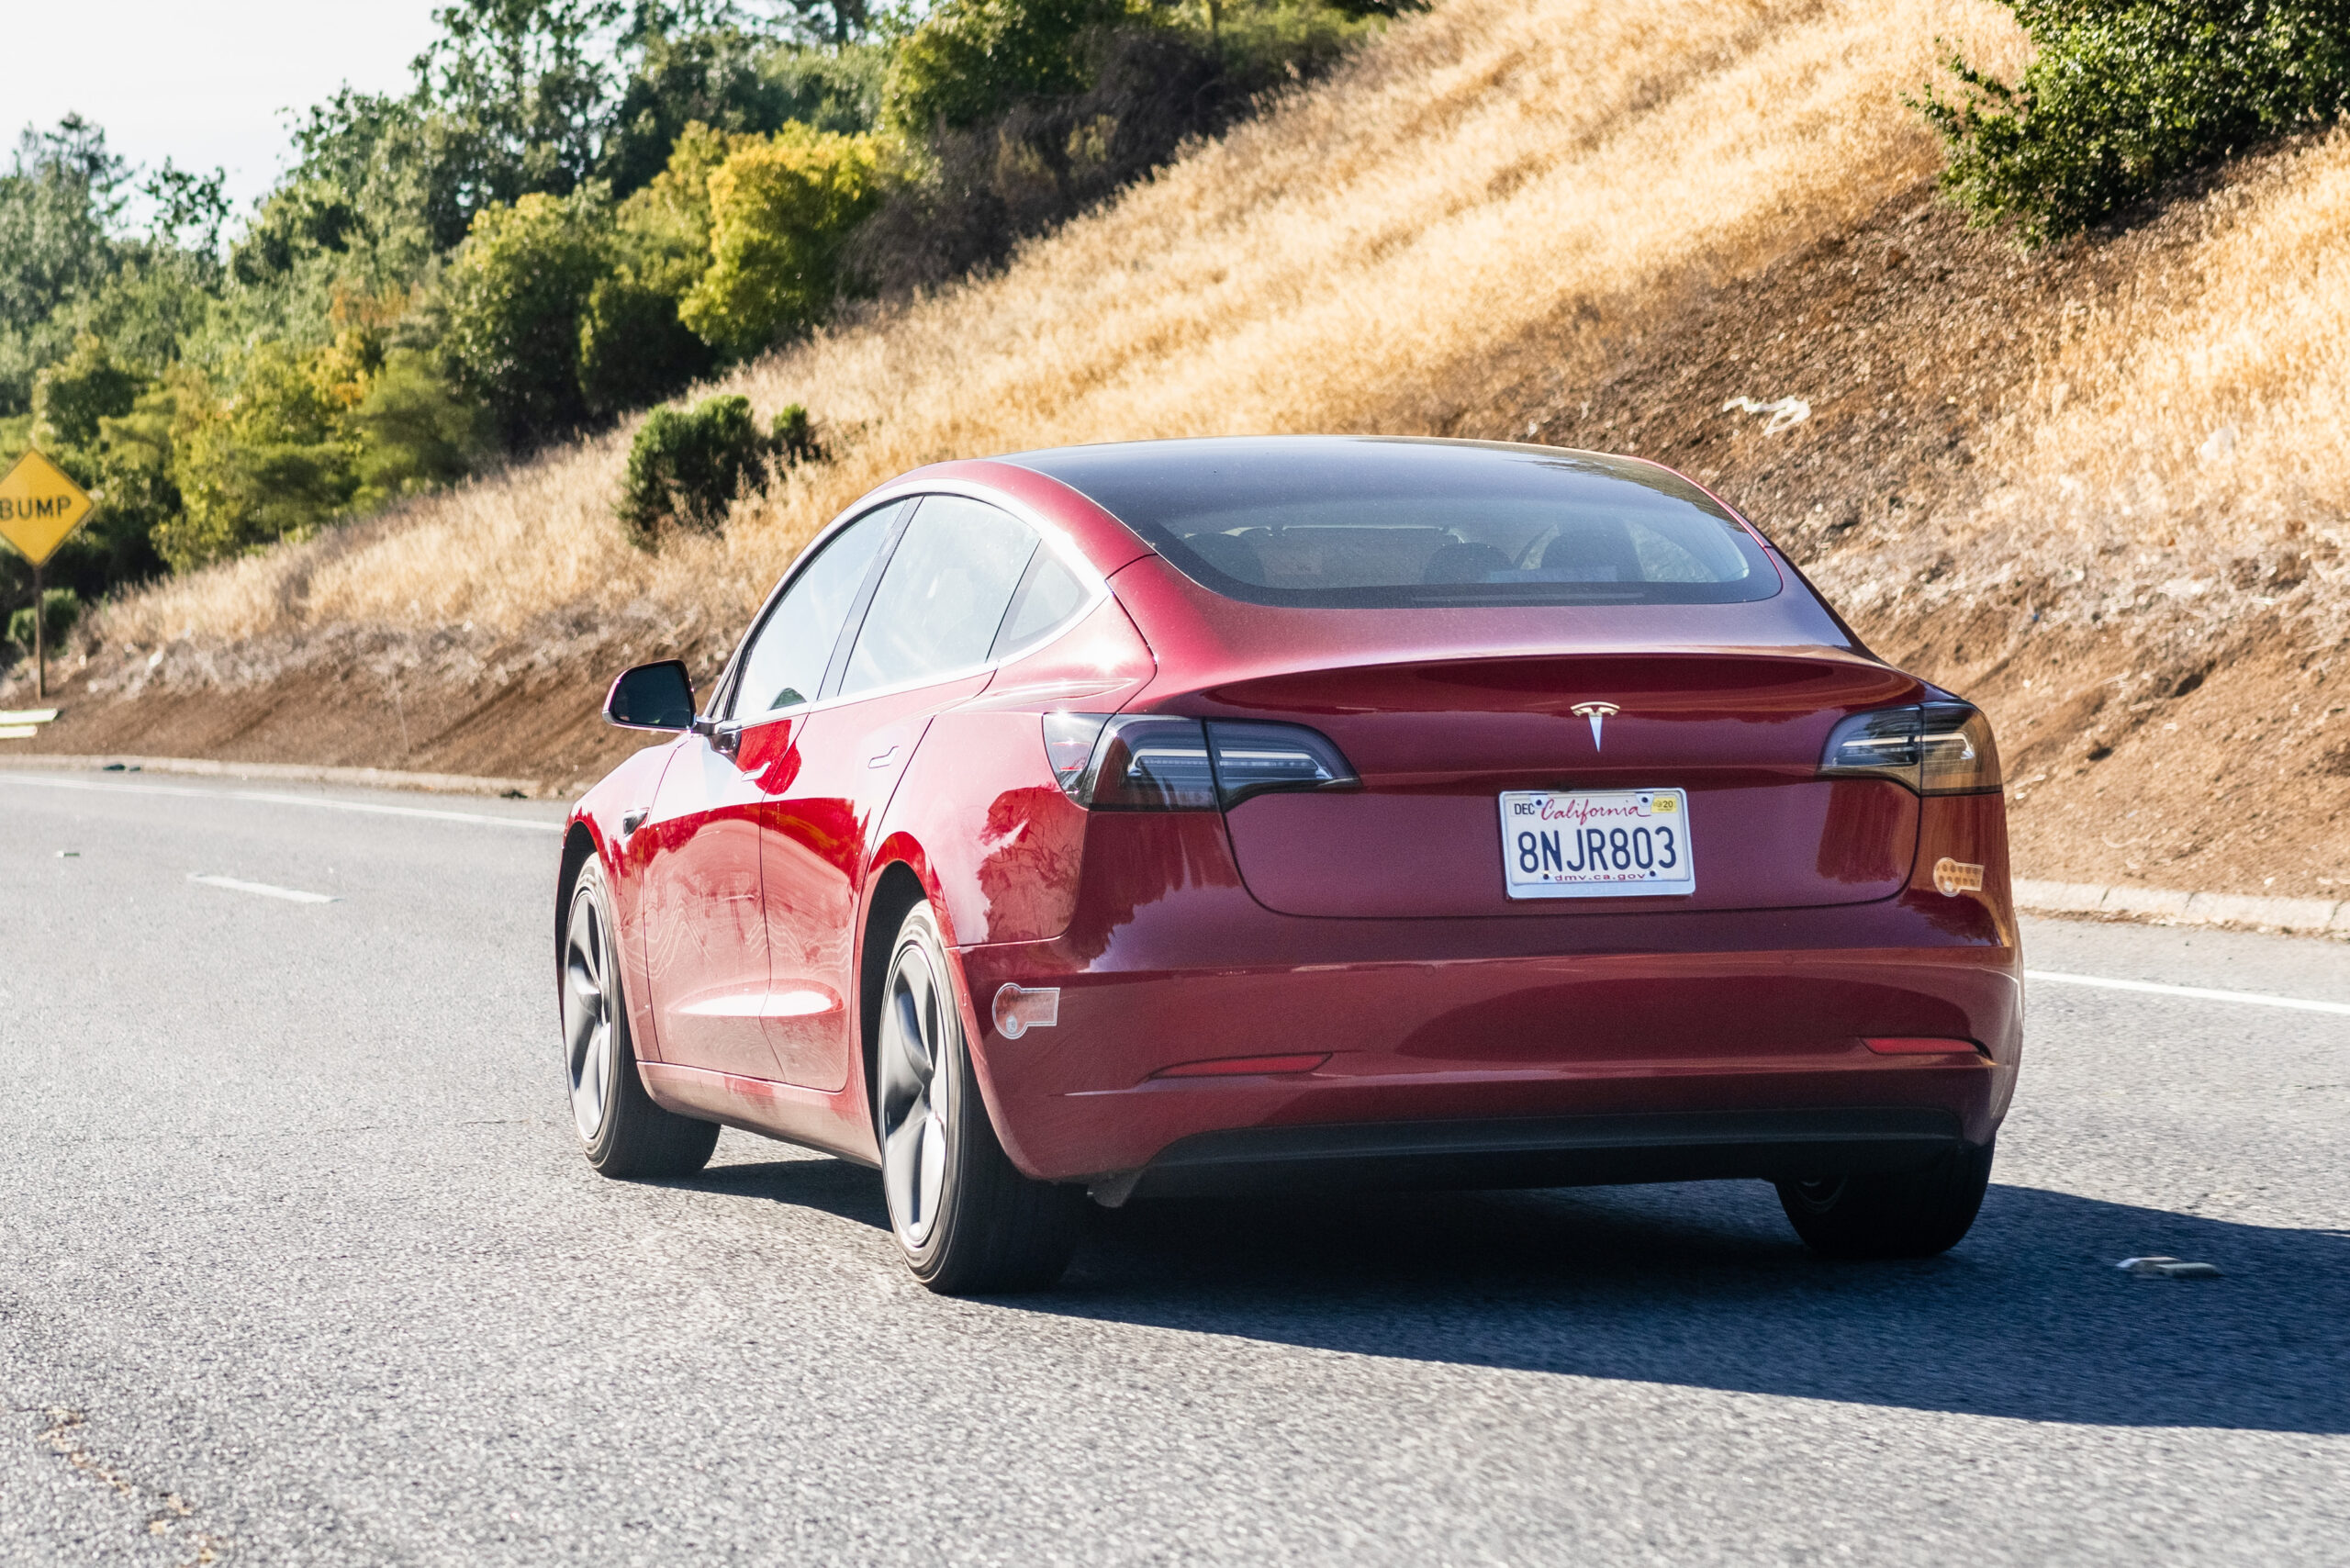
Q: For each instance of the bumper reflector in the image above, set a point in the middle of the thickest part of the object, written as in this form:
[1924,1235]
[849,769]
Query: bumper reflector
[1236,1067]
[1907,1047]
[1020,1008]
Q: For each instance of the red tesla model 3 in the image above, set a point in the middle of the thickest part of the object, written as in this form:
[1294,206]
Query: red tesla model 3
[1199,817]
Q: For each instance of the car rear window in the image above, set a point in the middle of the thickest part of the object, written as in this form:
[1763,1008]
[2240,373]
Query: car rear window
[1391,524]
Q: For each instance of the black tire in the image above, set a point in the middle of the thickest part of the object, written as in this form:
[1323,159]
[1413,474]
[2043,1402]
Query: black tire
[966,1220]
[621,1131]
[1916,1213]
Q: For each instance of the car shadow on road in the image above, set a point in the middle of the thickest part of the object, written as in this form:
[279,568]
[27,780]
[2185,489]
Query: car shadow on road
[1704,1286]
[838,1187]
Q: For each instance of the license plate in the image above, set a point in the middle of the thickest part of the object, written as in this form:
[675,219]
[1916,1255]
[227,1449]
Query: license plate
[1561,844]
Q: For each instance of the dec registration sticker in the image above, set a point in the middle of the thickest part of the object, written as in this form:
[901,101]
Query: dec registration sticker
[1606,844]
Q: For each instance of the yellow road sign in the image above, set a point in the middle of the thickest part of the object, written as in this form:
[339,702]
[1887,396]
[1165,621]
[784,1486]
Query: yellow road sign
[39,505]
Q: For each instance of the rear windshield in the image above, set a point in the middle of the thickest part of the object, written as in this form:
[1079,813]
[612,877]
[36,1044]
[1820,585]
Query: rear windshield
[1391,524]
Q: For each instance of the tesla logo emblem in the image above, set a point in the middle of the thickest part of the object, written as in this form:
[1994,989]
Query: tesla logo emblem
[1598,713]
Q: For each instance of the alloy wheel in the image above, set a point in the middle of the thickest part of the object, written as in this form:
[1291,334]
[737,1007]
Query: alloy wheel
[588,1036]
[917,1093]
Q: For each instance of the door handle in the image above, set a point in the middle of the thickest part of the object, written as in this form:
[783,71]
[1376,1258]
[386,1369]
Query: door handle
[884,760]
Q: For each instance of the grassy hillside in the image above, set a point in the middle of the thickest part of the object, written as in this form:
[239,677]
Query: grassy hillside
[2102,485]
[1345,263]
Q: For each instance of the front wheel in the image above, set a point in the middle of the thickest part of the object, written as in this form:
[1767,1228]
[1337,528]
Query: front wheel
[1915,1214]
[622,1132]
[966,1220]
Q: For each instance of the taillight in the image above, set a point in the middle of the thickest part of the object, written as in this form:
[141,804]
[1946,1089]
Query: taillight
[1256,760]
[1148,763]
[1935,748]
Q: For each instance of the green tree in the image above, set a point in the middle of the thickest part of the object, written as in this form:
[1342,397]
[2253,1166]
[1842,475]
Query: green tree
[416,432]
[275,461]
[973,60]
[59,206]
[710,76]
[781,213]
[513,299]
[518,93]
[634,348]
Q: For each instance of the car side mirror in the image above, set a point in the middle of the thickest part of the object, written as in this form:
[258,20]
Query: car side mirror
[651,697]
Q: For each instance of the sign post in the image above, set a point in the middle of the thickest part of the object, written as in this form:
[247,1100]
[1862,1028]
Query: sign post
[39,505]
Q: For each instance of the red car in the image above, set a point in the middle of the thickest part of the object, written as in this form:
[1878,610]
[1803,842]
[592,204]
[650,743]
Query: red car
[1201,816]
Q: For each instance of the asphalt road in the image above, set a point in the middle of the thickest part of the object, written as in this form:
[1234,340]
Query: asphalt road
[299,1266]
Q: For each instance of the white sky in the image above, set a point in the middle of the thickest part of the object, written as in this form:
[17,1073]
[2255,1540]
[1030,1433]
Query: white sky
[202,81]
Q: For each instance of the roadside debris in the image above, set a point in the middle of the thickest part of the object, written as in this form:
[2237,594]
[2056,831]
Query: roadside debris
[1785,412]
[2166,1269]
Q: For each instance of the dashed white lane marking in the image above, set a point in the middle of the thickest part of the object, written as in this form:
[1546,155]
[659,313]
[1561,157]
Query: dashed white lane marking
[265,889]
[371,807]
[2199,993]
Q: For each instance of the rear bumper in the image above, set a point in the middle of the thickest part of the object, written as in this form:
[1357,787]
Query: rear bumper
[1540,1151]
[1547,1018]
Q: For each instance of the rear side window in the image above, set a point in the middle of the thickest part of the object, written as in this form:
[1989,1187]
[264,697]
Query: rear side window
[785,663]
[943,597]
[1392,524]
[1049,595]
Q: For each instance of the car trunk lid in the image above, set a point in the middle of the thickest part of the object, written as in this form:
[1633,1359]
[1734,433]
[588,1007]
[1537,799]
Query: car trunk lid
[1437,743]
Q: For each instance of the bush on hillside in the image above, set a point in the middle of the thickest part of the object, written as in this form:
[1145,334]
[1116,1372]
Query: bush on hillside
[60,608]
[2123,95]
[689,466]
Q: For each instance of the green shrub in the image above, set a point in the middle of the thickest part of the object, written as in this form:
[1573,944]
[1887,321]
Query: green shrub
[779,212]
[687,466]
[60,608]
[792,437]
[2123,95]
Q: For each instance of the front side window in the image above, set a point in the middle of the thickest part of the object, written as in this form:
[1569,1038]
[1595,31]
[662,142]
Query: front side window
[943,597]
[785,663]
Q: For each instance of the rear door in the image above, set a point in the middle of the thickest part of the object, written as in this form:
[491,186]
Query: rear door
[923,644]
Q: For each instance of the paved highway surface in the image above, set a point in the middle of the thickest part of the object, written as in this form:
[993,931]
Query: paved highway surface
[299,1266]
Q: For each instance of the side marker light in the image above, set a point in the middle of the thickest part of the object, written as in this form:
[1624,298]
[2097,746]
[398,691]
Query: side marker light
[1020,1008]
[1953,877]
[1907,1047]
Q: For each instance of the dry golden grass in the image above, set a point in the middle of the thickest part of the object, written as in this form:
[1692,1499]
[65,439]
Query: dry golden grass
[1332,265]
[2213,406]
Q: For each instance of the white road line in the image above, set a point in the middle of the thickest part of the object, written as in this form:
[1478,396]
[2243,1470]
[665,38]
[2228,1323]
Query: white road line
[368,808]
[293,895]
[2200,993]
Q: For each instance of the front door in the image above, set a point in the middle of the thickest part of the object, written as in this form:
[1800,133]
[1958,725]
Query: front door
[707,940]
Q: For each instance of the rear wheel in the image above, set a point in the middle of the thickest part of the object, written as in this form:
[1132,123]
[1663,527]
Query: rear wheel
[1915,1214]
[622,1131]
[968,1221]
